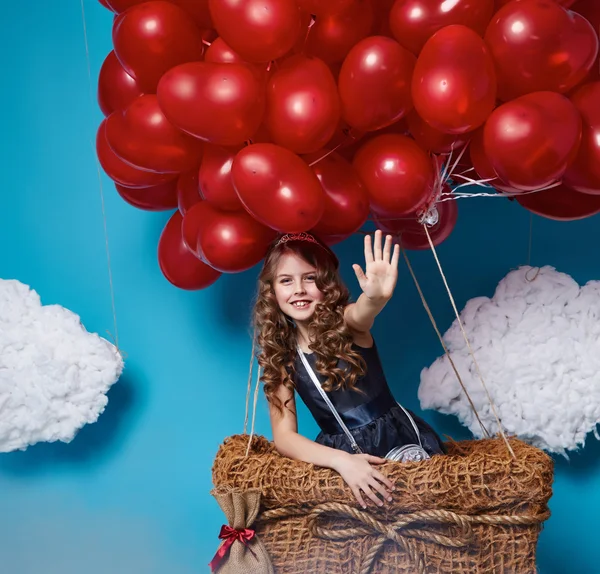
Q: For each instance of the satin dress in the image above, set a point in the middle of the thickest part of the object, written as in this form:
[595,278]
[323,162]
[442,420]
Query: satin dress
[374,418]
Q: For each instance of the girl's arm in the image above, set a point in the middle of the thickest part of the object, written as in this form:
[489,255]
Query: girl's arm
[354,469]
[360,316]
[293,445]
[377,283]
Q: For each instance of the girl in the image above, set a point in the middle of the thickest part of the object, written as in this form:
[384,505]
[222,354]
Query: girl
[305,324]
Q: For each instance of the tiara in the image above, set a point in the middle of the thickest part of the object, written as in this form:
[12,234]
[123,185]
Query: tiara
[297,237]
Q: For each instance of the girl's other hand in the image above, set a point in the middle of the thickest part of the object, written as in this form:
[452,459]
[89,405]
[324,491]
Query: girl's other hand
[362,478]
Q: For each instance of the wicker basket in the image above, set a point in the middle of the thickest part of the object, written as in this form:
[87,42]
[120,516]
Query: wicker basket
[476,510]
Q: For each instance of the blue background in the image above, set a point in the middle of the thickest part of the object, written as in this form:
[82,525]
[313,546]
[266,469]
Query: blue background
[130,495]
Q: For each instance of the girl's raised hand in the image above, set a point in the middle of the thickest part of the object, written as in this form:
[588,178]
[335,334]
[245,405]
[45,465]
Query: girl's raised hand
[381,267]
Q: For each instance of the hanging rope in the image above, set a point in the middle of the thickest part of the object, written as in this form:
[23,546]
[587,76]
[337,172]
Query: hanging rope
[115,339]
[257,386]
[460,323]
[446,351]
[249,387]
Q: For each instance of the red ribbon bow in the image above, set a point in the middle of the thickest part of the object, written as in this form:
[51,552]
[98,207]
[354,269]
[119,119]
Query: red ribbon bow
[229,536]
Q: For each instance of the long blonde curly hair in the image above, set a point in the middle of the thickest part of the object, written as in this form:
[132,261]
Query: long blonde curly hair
[331,337]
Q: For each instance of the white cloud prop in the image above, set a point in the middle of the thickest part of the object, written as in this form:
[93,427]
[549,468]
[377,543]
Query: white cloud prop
[54,375]
[537,343]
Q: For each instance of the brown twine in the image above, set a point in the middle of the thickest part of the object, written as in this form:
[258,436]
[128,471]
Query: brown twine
[446,351]
[399,530]
[249,389]
[462,328]
[258,374]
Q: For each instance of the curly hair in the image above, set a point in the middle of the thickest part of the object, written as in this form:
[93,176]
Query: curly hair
[331,337]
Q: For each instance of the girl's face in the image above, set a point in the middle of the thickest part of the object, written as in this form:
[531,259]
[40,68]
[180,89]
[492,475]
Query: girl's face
[295,288]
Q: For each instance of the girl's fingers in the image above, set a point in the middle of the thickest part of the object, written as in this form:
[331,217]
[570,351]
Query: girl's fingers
[380,488]
[387,248]
[368,249]
[360,275]
[377,246]
[395,256]
[384,479]
[375,459]
[370,494]
[359,497]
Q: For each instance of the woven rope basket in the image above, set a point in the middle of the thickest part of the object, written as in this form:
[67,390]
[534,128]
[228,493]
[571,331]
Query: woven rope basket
[476,510]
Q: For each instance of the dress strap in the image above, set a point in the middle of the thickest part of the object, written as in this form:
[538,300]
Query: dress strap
[317,384]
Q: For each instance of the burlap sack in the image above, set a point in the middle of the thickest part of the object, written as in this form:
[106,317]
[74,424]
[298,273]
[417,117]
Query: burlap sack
[243,553]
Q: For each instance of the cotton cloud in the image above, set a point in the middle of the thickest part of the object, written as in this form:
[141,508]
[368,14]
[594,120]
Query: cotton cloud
[537,343]
[54,375]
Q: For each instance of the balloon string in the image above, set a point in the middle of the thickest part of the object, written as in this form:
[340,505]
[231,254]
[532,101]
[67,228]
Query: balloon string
[313,19]
[467,341]
[249,388]
[338,146]
[441,338]
[100,187]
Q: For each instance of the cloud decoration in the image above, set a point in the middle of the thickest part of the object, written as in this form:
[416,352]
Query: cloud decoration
[54,375]
[537,343]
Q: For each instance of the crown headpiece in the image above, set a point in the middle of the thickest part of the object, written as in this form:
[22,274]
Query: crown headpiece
[297,237]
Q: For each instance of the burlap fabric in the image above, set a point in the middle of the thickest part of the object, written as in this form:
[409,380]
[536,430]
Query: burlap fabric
[476,510]
[241,510]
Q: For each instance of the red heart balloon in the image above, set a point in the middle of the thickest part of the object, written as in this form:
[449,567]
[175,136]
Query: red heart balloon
[397,173]
[530,141]
[229,241]
[142,136]
[188,191]
[197,9]
[584,173]
[538,45]
[121,172]
[215,179]
[346,200]
[375,83]
[196,218]
[153,37]
[413,22]
[590,10]
[483,167]
[565,3]
[219,103]
[116,88]
[321,9]
[332,35]
[219,52]
[454,83]
[434,140]
[303,107]
[160,197]
[178,264]
[278,188]
[258,30]
[561,203]
[119,6]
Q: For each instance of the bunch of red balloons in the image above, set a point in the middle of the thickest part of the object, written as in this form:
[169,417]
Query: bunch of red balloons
[256,117]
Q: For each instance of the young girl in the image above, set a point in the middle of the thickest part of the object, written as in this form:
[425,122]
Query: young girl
[305,323]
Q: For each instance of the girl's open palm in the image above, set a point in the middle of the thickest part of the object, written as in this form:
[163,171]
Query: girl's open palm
[381,267]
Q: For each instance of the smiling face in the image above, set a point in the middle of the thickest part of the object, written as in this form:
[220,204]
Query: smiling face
[295,287]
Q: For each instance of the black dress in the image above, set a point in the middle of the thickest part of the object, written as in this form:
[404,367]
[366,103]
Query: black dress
[374,418]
